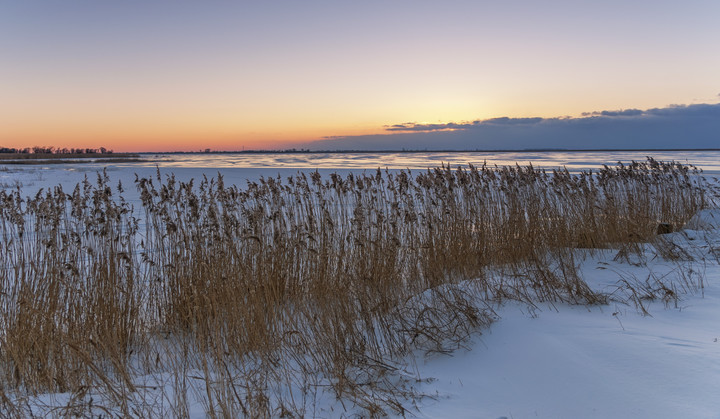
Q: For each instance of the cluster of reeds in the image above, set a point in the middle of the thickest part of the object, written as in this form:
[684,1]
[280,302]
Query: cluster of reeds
[270,296]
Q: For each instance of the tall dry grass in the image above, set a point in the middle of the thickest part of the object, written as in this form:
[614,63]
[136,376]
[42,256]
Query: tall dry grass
[268,297]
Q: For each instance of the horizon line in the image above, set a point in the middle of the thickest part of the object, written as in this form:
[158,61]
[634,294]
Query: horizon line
[338,151]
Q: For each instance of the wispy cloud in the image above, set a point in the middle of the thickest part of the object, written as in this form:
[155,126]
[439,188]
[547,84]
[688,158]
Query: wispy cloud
[452,126]
[412,126]
[674,126]
[625,112]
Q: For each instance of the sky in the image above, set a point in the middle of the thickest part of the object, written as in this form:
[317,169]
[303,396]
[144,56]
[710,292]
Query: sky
[138,75]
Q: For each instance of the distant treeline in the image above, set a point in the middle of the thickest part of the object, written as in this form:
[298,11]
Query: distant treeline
[54,150]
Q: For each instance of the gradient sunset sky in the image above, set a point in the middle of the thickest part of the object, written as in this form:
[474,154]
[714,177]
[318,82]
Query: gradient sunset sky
[143,75]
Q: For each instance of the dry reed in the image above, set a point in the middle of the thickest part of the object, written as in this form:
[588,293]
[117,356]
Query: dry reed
[273,295]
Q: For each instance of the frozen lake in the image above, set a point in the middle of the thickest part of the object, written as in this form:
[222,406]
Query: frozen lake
[573,160]
[239,168]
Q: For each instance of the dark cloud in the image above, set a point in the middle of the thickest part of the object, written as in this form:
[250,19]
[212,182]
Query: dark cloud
[675,126]
[411,126]
[511,121]
[414,127]
[686,111]
[624,112]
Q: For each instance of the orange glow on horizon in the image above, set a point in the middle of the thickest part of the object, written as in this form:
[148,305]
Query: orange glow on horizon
[154,129]
[134,140]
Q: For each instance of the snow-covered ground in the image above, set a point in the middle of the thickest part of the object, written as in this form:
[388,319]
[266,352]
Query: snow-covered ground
[556,361]
[608,361]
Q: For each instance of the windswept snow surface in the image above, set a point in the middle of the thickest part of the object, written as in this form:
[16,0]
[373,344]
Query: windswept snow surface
[577,363]
[595,362]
